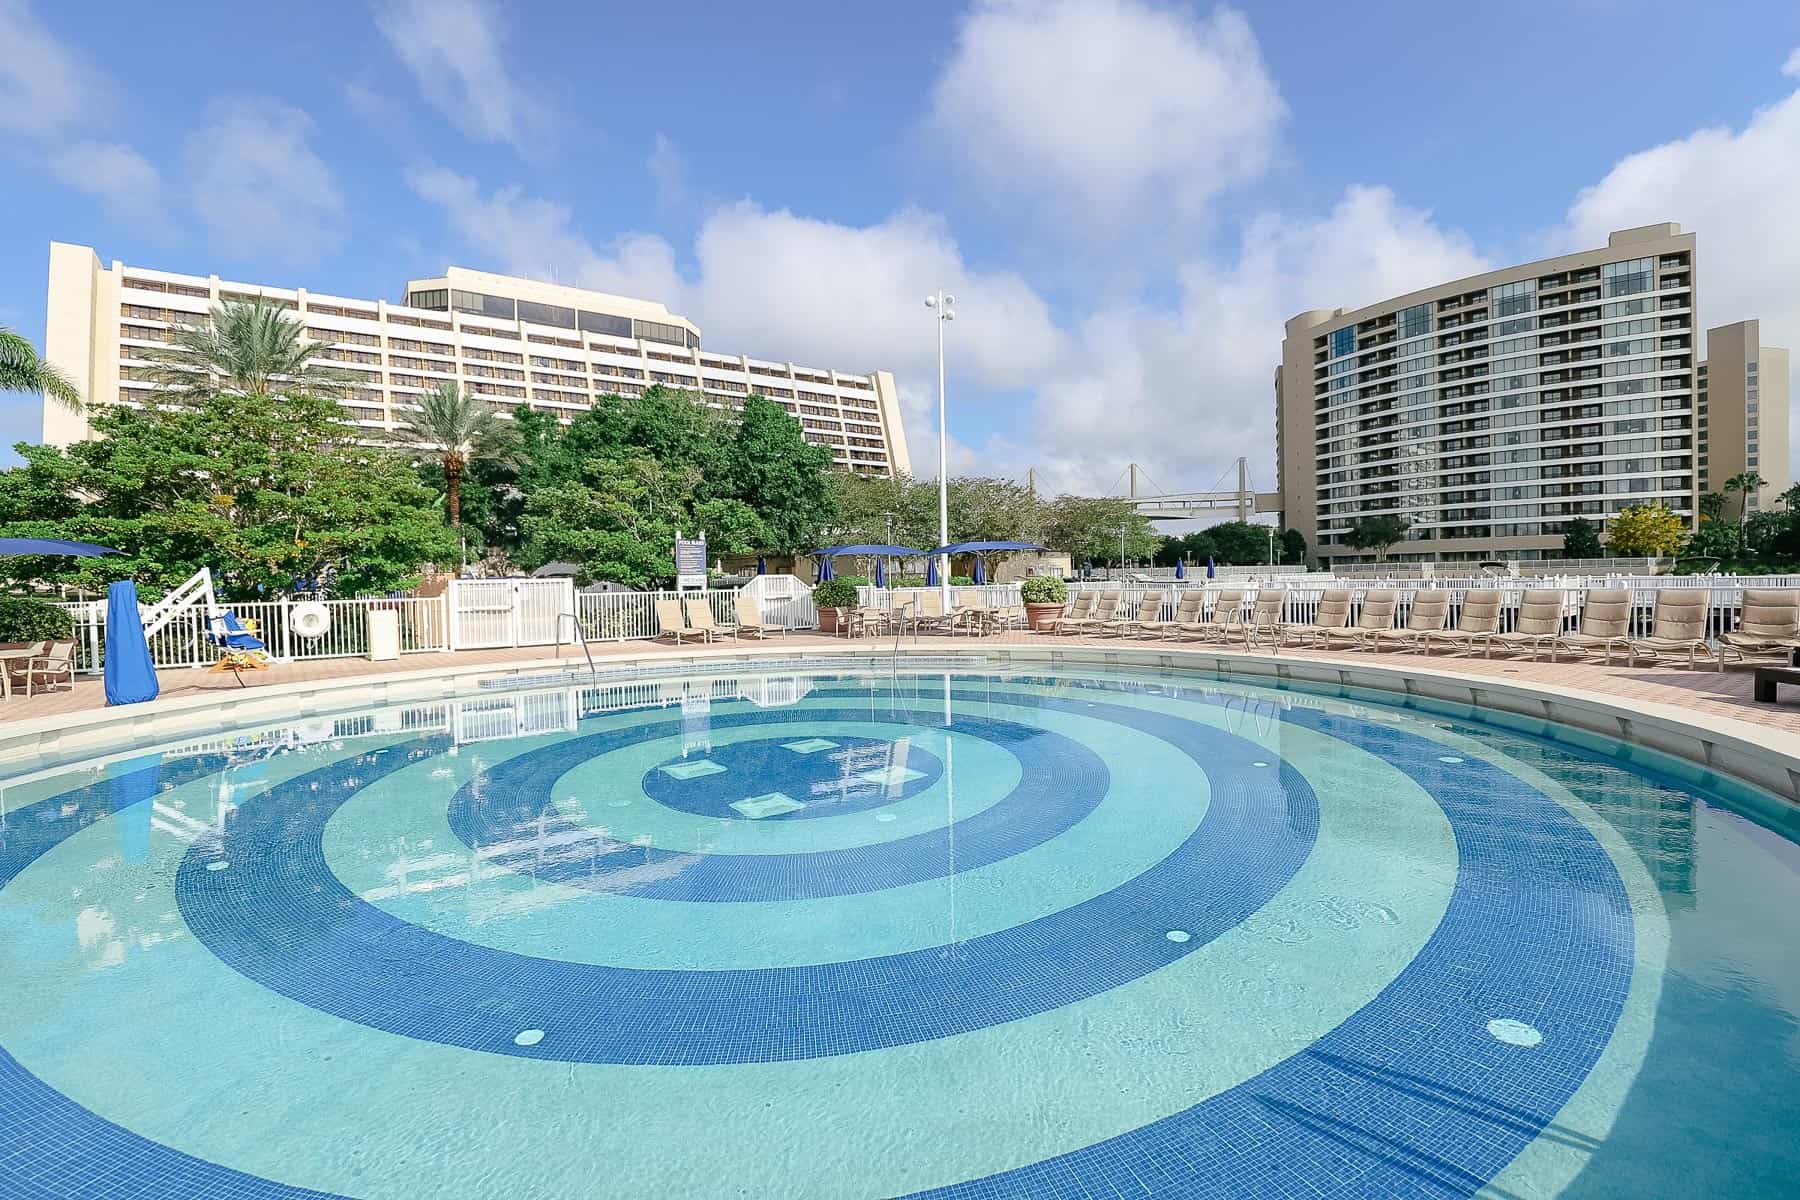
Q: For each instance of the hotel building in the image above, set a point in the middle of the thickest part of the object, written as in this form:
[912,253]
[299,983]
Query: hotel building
[518,342]
[1743,423]
[1489,411]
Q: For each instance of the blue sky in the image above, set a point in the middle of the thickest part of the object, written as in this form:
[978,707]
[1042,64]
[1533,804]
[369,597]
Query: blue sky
[1127,197]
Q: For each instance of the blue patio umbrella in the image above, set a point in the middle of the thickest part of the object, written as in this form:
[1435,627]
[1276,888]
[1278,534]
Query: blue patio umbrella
[1210,569]
[18,546]
[824,568]
[980,571]
[931,573]
[983,547]
[762,565]
[130,675]
[881,572]
[1181,568]
[869,551]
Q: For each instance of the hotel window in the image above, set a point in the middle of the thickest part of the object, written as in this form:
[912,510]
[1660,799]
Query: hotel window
[1415,320]
[1625,278]
[546,314]
[1343,341]
[480,305]
[438,299]
[1511,299]
[660,331]
[605,323]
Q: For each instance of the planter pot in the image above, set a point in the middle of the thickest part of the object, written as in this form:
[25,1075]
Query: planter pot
[1041,616]
[829,620]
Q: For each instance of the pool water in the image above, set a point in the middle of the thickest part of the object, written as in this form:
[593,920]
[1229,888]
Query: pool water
[1097,934]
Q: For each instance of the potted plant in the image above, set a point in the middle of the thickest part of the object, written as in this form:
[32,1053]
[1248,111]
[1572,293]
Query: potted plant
[1044,597]
[830,598]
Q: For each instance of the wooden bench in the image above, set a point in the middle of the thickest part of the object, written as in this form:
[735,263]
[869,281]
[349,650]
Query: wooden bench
[1768,677]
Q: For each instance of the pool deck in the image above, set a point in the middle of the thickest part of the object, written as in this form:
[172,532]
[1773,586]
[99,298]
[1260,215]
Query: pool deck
[1702,690]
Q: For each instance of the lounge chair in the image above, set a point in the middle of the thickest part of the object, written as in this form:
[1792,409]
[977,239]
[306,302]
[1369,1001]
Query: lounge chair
[1149,610]
[1539,624]
[1478,621]
[700,616]
[1605,625]
[1769,623]
[1333,613]
[1188,612]
[1265,616]
[1104,610]
[1429,613]
[1227,614]
[1077,609]
[671,624]
[239,649]
[55,666]
[1375,616]
[928,613]
[750,622]
[1677,624]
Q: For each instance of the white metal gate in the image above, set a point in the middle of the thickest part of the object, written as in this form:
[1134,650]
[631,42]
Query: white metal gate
[486,614]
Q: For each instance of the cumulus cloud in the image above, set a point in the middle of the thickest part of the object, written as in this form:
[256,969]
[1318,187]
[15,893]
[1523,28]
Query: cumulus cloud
[453,50]
[123,180]
[44,88]
[258,185]
[1114,109]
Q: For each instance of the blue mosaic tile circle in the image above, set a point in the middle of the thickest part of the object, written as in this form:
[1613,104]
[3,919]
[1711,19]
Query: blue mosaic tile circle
[793,779]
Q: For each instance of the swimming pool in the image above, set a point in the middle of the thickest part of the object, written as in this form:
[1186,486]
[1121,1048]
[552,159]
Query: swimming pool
[976,933]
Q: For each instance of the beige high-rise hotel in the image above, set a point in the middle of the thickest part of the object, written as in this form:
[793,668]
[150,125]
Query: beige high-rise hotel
[517,342]
[1743,423]
[1489,411]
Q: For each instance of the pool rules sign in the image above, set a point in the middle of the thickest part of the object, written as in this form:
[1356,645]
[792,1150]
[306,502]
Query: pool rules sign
[690,561]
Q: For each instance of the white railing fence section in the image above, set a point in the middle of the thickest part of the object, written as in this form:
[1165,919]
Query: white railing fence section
[628,616]
[785,600]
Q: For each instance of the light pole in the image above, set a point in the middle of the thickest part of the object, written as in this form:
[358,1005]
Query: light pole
[943,307]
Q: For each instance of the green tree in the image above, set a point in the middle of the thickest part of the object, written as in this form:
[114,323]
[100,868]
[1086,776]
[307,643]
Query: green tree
[262,489]
[1087,529]
[1240,543]
[1581,539]
[1744,485]
[1712,505]
[1378,534]
[22,370]
[773,468]
[250,347]
[457,429]
[1646,529]
[1293,547]
[1715,539]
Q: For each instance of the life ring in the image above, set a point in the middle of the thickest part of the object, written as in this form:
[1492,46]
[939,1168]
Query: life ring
[309,619]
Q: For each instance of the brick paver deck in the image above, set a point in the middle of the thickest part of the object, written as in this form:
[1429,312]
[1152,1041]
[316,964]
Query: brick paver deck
[1722,693]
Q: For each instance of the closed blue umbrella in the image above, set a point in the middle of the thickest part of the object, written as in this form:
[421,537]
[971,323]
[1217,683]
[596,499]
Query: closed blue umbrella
[1210,569]
[1181,568]
[881,572]
[931,573]
[762,565]
[824,568]
[980,571]
[130,675]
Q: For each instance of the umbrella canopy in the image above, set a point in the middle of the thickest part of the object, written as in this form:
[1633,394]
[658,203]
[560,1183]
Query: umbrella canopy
[869,551]
[931,573]
[881,572]
[1210,569]
[130,675]
[980,571]
[983,547]
[1181,568]
[18,546]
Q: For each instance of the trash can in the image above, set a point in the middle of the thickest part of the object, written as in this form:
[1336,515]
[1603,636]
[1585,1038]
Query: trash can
[384,635]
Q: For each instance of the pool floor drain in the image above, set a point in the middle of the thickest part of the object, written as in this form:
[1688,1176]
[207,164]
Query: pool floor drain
[1178,935]
[1514,1033]
[528,1037]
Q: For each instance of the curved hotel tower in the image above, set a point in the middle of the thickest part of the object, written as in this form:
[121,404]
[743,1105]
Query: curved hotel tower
[1489,411]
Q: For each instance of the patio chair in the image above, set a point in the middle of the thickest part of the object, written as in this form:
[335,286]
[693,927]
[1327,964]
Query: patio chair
[1188,612]
[1540,623]
[700,616]
[1265,617]
[1478,621]
[1077,609]
[1333,613]
[971,615]
[239,649]
[1605,625]
[750,622]
[929,612]
[671,624]
[55,666]
[1227,614]
[1149,609]
[1104,610]
[15,663]
[1678,623]
[1429,613]
[1769,623]
[1375,616]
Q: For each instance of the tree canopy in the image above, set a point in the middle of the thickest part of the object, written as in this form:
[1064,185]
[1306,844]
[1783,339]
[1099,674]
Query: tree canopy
[1377,534]
[1581,539]
[1646,529]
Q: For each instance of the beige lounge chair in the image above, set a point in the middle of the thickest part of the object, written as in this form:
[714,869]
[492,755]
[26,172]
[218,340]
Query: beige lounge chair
[1677,624]
[972,613]
[1539,624]
[700,616]
[1605,625]
[671,624]
[1077,609]
[1333,613]
[1265,617]
[1104,610]
[1375,615]
[1188,612]
[1149,610]
[750,622]
[1227,614]
[1478,621]
[1429,613]
[929,614]
[1768,623]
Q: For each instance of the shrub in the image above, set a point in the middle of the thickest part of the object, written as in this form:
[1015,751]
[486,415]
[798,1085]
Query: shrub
[855,580]
[962,581]
[28,619]
[907,581]
[834,593]
[1043,589]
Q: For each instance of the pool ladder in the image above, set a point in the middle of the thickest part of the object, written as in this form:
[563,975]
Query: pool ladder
[593,672]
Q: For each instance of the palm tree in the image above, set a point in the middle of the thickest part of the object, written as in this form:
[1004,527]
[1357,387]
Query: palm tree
[1748,483]
[21,370]
[459,429]
[247,347]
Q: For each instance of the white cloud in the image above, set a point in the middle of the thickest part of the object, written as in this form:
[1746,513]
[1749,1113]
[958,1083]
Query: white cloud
[453,49]
[124,180]
[1735,190]
[1792,65]
[258,185]
[669,171]
[1110,110]
[44,88]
